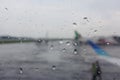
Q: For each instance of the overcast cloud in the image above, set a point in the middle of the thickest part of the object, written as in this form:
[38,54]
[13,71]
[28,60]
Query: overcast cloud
[55,18]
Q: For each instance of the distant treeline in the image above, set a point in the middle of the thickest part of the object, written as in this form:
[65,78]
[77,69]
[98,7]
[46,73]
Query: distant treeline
[9,39]
[15,41]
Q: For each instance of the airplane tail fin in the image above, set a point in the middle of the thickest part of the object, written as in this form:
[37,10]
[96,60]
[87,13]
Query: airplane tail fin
[77,35]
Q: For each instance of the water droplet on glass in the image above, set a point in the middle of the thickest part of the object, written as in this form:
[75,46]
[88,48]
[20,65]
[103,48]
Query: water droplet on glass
[95,30]
[6,9]
[61,42]
[75,51]
[74,23]
[21,70]
[53,67]
[108,43]
[85,18]
[68,43]
[75,43]
[36,69]
[63,50]
[39,41]
[51,47]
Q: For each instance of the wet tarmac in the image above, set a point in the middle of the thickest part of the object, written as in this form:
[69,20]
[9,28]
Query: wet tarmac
[55,60]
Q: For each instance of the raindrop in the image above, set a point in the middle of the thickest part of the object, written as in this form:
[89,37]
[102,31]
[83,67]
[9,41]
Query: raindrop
[108,43]
[63,50]
[75,43]
[6,9]
[36,69]
[40,40]
[95,30]
[53,67]
[74,23]
[21,70]
[75,51]
[51,47]
[61,42]
[85,18]
[68,43]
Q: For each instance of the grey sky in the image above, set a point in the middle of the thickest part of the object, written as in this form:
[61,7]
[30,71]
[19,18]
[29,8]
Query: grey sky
[55,18]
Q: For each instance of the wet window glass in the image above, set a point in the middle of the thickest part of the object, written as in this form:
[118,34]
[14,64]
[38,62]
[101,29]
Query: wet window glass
[59,40]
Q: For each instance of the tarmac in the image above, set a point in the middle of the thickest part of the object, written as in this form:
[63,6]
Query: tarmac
[55,60]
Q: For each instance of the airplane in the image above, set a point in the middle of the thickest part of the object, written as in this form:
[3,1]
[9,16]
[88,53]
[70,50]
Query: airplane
[77,35]
[101,53]
[79,39]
